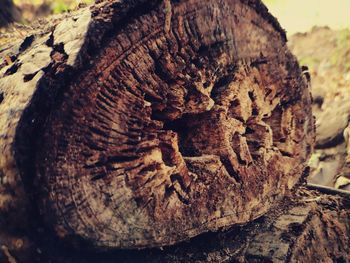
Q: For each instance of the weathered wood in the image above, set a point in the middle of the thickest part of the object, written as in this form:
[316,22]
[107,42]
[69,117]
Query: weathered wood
[309,227]
[144,123]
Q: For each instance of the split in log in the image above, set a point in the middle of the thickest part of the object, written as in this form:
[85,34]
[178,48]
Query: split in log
[145,123]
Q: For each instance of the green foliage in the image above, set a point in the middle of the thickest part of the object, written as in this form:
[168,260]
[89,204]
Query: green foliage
[343,38]
[341,54]
[59,7]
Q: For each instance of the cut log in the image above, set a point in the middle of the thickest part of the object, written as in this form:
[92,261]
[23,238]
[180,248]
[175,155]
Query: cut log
[145,123]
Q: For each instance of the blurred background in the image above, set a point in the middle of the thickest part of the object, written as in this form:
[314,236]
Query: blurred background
[319,35]
[302,15]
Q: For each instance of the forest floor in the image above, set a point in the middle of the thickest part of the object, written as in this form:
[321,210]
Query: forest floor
[327,54]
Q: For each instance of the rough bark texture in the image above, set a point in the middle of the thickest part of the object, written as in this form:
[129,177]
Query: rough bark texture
[308,227]
[144,123]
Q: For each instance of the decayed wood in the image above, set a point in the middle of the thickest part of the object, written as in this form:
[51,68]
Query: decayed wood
[308,227]
[311,227]
[144,123]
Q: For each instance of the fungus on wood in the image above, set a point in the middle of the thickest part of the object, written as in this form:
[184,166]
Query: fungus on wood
[145,123]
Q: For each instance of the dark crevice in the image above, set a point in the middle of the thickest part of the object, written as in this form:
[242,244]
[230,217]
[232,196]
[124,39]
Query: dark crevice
[1,97]
[221,85]
[167,151]
[268,92]
[258,62]
[251,96]
[99,132]
[224,80]
[50,40]
[169,190]
[146,149]
[229,168]
[151,98]
[121,159]
[235,103]
[255,110]
[254,147]
[212,50]
[27,42]
[29,77]
[331,142]
[181,128]
[149,168]
[286,154]
[177,178]
[59,48]
[13,69]
[249,130]
[97,164]
[98,176]
[340,260]
[318,100]
[179,125]
[282,140]
[236,148]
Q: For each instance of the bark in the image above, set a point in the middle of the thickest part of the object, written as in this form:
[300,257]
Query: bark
[145,123]
[311,227]
[307,227]
[8,13]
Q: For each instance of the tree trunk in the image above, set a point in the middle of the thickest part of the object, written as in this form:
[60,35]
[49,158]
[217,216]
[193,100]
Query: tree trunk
[145,123]
[8,13]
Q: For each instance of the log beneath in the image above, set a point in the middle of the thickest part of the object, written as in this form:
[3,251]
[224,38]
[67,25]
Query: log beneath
[145,123]
[309,227]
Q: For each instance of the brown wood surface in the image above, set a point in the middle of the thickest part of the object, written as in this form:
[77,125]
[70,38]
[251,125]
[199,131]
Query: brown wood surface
[145,123]
[306,227]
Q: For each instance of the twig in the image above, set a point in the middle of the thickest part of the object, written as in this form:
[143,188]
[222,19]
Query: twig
[328,190]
